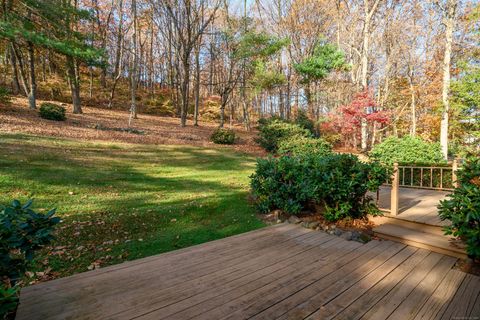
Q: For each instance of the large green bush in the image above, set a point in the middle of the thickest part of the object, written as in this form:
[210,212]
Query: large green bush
[463,207]
[407,150]
[223,136]
[305,122]
[281,183]
[52,111]
[338,182]
[304,146]
[22,232]
[271,132]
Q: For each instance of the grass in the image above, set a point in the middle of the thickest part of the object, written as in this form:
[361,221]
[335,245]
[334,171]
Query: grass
[125,201]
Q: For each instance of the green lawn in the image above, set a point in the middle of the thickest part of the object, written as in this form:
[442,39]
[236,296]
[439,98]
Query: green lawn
[125,201]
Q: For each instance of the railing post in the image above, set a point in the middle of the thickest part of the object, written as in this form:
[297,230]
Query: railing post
[454,173]
[394,193]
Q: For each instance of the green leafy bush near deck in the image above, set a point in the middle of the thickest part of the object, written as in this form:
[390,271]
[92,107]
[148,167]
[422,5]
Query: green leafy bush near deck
[304,146]
[338,182]
[463,207]
[22,232]
[407,150]
[272,132]
[8,300]
[302,120]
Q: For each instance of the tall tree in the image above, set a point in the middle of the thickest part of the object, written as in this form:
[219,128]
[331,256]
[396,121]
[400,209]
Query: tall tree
[369,10]
[134,63]
[324,59]
[55,28]
[190,20]
[448,9]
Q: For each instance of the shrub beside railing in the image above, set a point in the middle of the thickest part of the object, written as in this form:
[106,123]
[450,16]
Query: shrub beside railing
[338,182]
[462,207]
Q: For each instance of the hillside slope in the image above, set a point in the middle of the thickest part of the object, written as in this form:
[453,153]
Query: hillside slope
[109,125]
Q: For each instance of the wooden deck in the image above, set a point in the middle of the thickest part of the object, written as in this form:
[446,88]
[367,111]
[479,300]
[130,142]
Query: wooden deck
[417,205]
[284,272]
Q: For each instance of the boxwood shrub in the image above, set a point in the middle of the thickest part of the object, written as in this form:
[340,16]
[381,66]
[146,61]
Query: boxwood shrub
[272,132]
[52,111]
[304,146]
[223,136]
[338,182]
[462,207]
[407,150]
[305,122]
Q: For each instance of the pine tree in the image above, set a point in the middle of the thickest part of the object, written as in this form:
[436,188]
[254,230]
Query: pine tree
[53,25]
[325,58]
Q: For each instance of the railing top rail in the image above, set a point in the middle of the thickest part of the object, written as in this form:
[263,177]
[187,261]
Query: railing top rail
[426,167]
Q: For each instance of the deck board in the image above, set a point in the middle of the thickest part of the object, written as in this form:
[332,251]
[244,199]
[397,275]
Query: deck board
[284,271]
[417,205]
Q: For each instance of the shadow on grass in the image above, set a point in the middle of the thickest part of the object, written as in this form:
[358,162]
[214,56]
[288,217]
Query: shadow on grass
[138,200]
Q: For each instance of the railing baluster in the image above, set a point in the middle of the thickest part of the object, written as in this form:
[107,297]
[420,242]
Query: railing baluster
[421,177]
[441,178]
[394,191]
[411,176]
[431,177]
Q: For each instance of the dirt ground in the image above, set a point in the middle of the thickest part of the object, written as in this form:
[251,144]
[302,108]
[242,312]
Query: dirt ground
[103,124]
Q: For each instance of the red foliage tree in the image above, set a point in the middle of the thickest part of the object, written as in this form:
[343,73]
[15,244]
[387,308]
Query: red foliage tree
[347,120]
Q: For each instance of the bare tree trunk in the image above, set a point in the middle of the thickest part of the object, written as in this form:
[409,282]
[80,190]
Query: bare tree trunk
[223,105]
[44,68]
[413,105]
[197,85]
[117,71]
[13,60]
[22,75]
[308,96]
[368,14]
[288,95]
[185,90]
[90,86]
[32,96]
[449,21]
[74,82]
[133,72]
[364,63]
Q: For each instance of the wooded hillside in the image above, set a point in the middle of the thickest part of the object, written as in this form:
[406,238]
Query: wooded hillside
[362,69]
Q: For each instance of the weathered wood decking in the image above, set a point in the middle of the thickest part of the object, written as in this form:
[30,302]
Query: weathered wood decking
[284,271]
[417,205]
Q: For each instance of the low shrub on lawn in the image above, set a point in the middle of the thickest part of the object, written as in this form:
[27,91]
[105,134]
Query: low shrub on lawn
[338,182]
[407,150]
[223,136]
[52,111]
[22,232]
[463,207]
[304,146]
[272,132]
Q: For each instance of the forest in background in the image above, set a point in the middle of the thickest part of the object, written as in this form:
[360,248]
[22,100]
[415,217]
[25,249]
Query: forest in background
[361,69]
